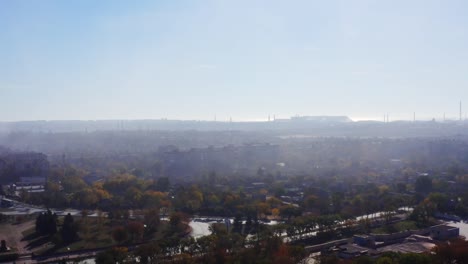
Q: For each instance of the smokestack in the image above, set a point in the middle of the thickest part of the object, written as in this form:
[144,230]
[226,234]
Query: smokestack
[414,117]
[460,111]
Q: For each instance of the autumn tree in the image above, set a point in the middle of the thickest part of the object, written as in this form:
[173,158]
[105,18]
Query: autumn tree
[119,234]
[148,253]
[177,222]
[112,256]
[135,229]
[455,251]
[151,219]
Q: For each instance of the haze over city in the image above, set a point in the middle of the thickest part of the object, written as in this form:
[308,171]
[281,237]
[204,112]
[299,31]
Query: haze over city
[195,60]
[234,131]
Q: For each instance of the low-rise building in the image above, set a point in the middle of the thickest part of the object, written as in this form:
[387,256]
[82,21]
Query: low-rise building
[444,232]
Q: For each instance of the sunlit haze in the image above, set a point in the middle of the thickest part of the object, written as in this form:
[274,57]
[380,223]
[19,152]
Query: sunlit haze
[241,59]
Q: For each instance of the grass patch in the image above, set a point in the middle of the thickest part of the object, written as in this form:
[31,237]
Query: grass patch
[29,232]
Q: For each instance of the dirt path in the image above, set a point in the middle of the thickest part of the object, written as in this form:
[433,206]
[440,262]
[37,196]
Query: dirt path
[12,234]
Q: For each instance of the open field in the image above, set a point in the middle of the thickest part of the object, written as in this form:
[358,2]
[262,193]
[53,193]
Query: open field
[13,235]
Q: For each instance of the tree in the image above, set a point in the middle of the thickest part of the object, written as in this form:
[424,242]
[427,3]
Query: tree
[413,258]
[133,195]
[237,224]
[188,245]
[151,219]
[363,260]
[177,222]
[455,251]
[119,234]
[147,253]
[112,256]
[73,183]
[384,260]
[85,198]
[135,229]
[162,184]
[439,200]
[423,184]
[337,199]
[69,229]
[104,257]
[3,246]
[310,201]
[297,253]
[422,212]
[290,211]
[46,223]
[401,187]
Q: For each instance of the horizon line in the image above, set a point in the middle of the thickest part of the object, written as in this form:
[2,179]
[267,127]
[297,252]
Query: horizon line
[248,120]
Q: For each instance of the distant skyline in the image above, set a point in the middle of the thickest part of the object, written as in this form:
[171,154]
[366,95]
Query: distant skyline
[194,60]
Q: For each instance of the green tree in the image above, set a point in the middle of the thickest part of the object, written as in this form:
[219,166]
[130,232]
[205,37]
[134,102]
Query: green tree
[162,184]
[439,200]
[148,253]
[385,260]
[69,229]
[423,184]
[413,258]
[112,256]
[289,211]
[46,223]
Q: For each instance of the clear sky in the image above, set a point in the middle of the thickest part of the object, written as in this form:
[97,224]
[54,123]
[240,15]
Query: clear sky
[246,59]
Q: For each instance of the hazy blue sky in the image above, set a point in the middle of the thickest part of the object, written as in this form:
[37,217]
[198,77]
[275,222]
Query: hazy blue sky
[245,59]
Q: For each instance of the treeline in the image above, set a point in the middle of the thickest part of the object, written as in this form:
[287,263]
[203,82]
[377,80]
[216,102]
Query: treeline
[224,247]
[276,196]
[47,224]
[219,247]
[121,191]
